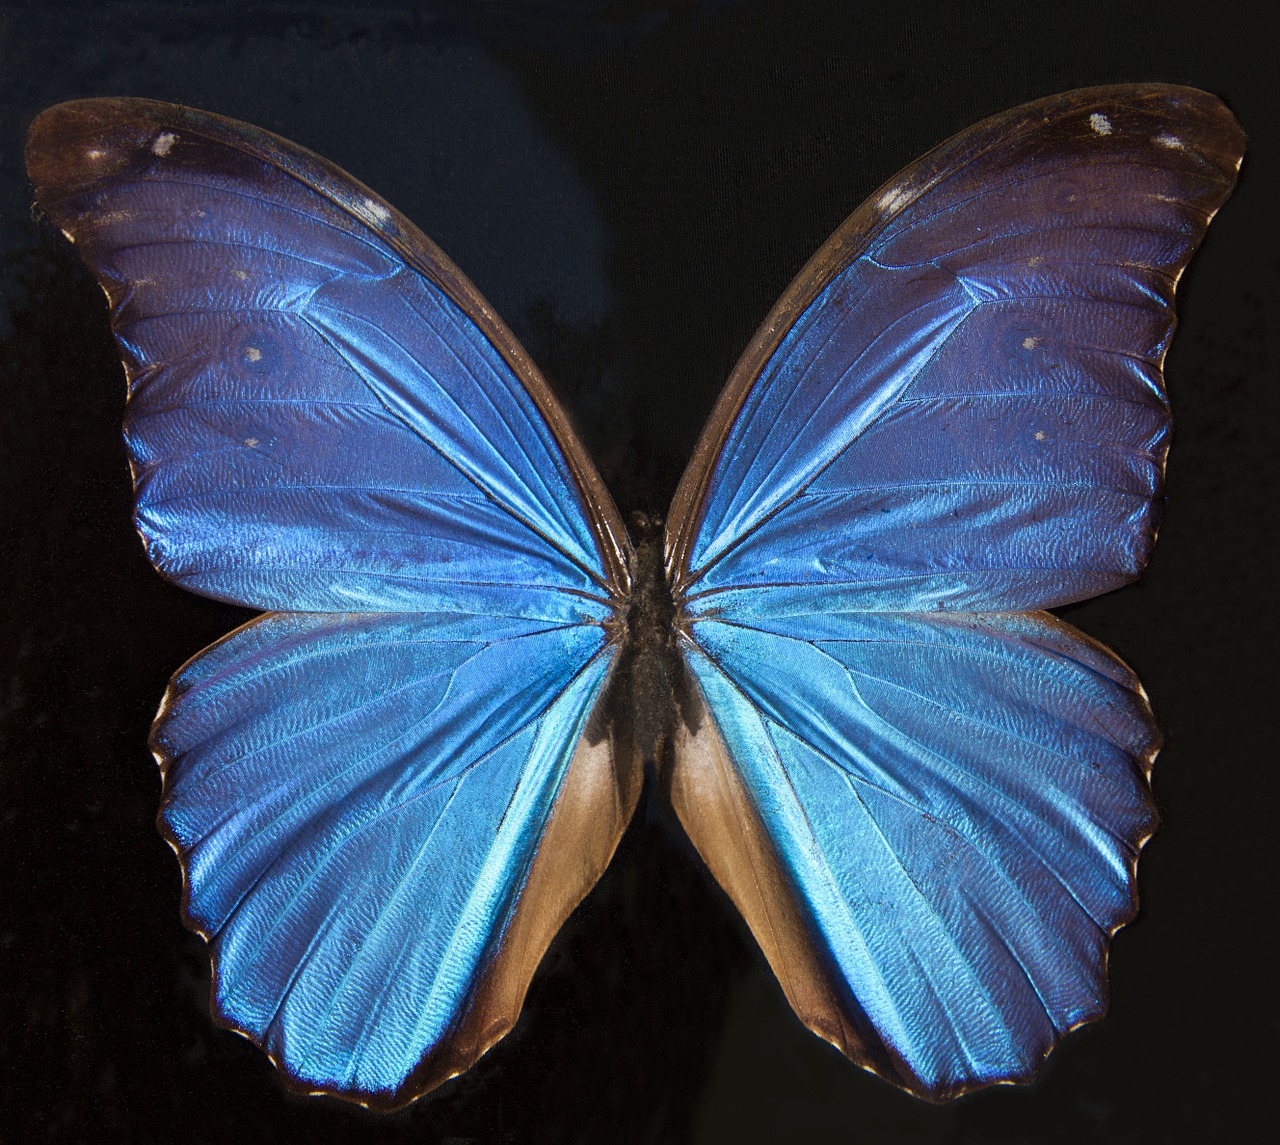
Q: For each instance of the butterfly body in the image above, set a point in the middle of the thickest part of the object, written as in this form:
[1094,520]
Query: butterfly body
[924,793]
[641,705]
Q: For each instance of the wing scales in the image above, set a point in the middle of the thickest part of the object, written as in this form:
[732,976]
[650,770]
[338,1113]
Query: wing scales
[929,816]
[356,857]
[381,795]
[958,809]
[954,416]
[336,311]
[960,282]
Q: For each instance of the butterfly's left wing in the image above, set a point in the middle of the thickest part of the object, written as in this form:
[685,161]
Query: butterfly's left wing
[926,798]
[383,795]
[383,820]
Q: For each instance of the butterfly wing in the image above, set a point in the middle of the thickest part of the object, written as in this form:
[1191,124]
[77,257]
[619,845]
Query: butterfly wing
[946,813]
[376,864]
[927,798]
[305,364]
[381,794]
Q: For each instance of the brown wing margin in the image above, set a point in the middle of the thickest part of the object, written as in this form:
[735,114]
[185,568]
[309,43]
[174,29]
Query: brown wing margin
[592,810]
[48,149]
[598,792]
[857,232]
[717,812]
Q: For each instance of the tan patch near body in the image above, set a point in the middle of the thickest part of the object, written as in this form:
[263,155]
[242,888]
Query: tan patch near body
[593,809]
[724,826]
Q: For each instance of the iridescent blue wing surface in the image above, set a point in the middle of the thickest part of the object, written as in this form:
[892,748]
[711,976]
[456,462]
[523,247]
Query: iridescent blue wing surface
[979,344]
[379,860]
[381,794]
[952,808]
[323,413]
[926,797]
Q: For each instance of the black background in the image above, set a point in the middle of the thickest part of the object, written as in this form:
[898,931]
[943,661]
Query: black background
[631,186]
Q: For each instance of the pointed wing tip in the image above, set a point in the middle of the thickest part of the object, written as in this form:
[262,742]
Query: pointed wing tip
[1200,123]
[72,146]
[1179,120]
[1217,134]
[61,140]
[1211,110]
[50,160]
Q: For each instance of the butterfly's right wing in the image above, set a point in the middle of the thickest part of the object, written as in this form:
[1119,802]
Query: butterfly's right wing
[930,823]
[925,796]
[382,798]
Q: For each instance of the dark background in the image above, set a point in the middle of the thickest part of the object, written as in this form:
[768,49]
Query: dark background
[631,185]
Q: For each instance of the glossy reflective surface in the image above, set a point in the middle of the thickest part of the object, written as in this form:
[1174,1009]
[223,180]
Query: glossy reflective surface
[970,413]
[953,416]
[357,785]
[960,804]
[355,853]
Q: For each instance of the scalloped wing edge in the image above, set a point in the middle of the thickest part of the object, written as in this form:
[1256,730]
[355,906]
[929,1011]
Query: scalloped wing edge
[860,229]
[592,810]
[717,813]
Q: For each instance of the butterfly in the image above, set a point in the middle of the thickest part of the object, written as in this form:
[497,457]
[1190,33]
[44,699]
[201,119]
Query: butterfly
[924,793]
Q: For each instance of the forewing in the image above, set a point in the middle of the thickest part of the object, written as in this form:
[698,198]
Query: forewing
[379,863]
[931,825]
[958,403]
[323,413]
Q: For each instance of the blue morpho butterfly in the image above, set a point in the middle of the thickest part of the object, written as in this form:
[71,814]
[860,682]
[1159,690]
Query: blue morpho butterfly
[925,794]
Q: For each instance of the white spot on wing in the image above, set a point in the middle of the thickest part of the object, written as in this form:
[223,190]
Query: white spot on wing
[1100,123]
[241,274]
[1167,140]
[253,353]
[1040,435]
[895,198]
[375,211]
[95,153]
[1030,343]
[251,442]
[163,142]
